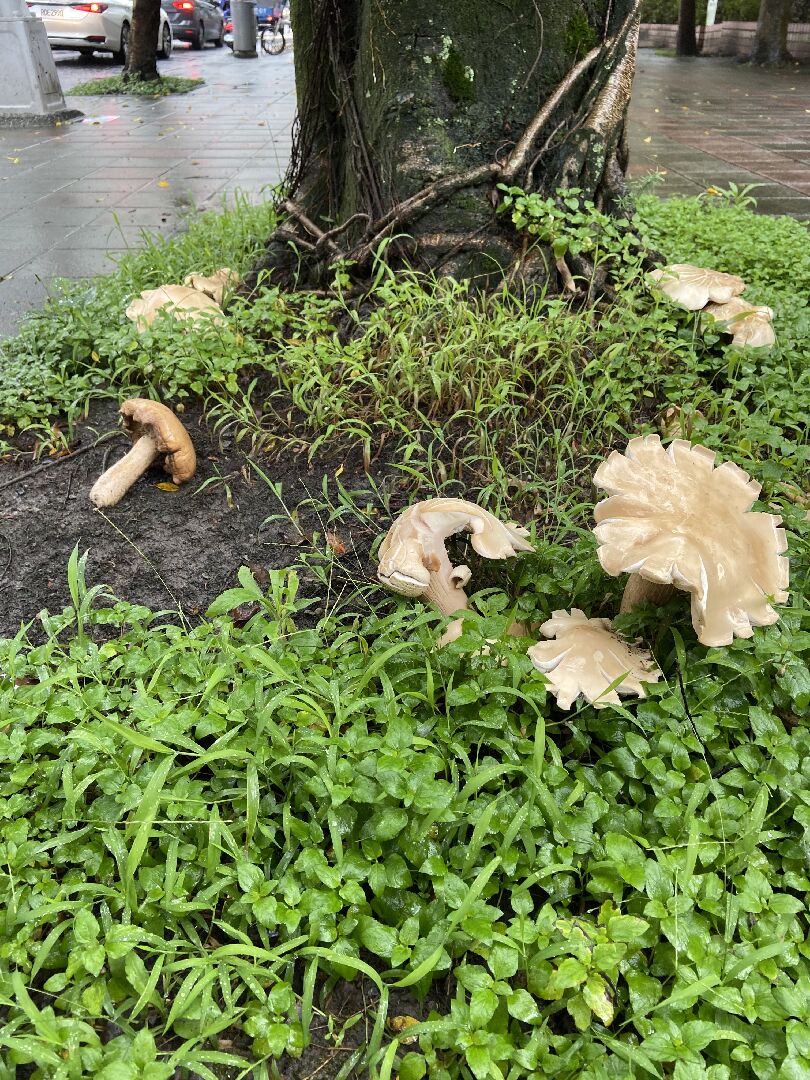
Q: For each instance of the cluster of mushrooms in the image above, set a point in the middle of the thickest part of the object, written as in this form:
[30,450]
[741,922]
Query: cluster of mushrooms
[717,297]
[154,430]
[672,520]
[198,297]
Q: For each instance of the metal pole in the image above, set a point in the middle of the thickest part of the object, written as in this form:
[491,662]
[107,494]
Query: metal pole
[243,13]
[30,92]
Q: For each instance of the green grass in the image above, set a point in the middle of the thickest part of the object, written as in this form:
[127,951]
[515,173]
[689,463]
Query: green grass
[205,829]
[115,84]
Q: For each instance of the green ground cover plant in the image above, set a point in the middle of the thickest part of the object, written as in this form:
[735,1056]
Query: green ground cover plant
[115,84]
[205,829]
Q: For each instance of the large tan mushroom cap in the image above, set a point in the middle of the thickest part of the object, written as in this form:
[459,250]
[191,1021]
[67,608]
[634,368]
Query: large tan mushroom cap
[144,417]
[674,518]
[414,561]
[586,657]
[748,324]
[183,302]
[214,285]
[692,287]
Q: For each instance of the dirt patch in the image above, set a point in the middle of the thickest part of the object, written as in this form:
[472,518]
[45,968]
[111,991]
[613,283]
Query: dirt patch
[164,549]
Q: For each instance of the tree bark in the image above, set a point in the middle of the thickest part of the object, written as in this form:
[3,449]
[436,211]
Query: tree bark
[410,114]
[143,42]
[686,42]
[770,44]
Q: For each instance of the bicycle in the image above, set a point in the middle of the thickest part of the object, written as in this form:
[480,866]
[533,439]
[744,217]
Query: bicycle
[271,36]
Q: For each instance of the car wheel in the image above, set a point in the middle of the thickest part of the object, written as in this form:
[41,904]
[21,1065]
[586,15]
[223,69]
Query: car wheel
[198,41]
[122,55]
[165,50]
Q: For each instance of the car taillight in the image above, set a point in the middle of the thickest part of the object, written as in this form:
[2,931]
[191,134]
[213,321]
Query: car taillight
[95,8]
[228,26]
[183,5]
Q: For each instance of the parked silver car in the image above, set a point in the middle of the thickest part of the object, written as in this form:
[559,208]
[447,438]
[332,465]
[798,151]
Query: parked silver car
[95,26]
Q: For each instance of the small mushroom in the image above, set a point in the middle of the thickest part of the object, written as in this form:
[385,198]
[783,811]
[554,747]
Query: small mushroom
[586,657]
[215,285]
[183,302]
[675,423]
[154,431]
[747,323]
[414,561]
[692,287]
[674,519]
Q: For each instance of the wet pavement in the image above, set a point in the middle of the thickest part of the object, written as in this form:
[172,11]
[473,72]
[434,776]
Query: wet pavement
[72,197]
[713,122]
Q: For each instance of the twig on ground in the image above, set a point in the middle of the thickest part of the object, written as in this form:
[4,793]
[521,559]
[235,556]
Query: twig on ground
[10,558]
[59,461]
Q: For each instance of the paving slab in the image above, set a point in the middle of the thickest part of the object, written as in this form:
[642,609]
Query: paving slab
[711,121]
[74,195]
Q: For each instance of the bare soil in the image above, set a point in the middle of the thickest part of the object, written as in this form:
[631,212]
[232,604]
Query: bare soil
[164,549]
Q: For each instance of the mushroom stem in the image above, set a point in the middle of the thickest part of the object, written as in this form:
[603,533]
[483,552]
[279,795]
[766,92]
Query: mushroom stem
[638,589]
[113,484]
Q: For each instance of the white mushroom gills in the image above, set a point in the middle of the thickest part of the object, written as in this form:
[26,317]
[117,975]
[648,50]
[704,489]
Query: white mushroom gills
[414,561]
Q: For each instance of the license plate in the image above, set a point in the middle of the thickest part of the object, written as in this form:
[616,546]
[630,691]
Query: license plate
[51,12]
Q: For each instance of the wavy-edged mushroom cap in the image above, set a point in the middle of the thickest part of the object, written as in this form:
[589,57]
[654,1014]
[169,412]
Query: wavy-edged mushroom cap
[748,324]
[183,302]
[413,559]
[674,518]
[586,657]
[692,287]
[214,285]
[144,417]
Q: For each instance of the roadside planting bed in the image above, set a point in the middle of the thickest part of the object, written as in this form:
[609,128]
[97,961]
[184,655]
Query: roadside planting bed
[253,823]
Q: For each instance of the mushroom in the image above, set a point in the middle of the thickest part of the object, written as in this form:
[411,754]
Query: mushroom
[414,562]
[586,657]
[747,323]
[692,287]
[216,285]
[674,422]
[154,431]
[183,302]
[674,519]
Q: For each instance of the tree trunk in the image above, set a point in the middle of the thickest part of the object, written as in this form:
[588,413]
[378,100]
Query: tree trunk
[143,42]
[770,44]
[686,43]
[410,115]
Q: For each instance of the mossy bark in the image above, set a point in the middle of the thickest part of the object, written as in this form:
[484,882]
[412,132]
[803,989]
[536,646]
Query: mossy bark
[396,98]
[770,44]
[142,62]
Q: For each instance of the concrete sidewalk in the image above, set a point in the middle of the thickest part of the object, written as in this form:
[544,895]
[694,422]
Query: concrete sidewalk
[712,121]
[71,197]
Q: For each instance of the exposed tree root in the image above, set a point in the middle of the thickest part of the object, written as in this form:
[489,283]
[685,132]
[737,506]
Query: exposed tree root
[592,156]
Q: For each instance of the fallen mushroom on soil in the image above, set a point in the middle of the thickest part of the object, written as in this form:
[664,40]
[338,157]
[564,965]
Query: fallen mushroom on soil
[154,431]
[692,287]
[674,519]
[748,324]
[183,302]
[586,657]
[414,562]
[214,285]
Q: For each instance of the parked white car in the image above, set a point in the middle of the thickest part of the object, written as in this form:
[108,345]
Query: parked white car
[95,26]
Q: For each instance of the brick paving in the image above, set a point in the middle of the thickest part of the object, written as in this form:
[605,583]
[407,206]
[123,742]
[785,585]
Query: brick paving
[73,197]
[712,121]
